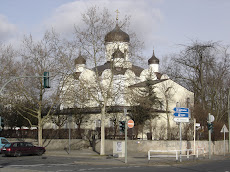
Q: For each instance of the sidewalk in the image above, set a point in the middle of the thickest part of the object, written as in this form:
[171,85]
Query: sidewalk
[88,156]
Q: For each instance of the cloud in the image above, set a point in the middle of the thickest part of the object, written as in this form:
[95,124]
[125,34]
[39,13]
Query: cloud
[7,30]
[145,19]
[65,17]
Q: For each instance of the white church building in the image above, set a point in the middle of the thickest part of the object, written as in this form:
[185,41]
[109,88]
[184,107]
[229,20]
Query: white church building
[114,81]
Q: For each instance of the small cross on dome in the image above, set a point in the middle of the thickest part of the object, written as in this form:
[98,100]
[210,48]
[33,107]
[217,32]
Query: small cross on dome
[117,14]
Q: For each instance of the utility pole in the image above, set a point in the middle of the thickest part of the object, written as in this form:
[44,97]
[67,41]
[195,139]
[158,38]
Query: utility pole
[177,105]
[180,142]
[209,144]
[126,128]
[194,120]
[69,120]
[229,121]
[210,120]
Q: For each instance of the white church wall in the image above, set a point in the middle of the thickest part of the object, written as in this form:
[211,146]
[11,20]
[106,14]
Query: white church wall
[106,77]
[129,78]
[148,74]
[154,67]
[164,76]
[118,96]
[80,67]
[158,125]
[67,99]
[112,46]
[176,93]
[88,75]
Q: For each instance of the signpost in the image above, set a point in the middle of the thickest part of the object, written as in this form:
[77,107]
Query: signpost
[210,120]
[224,130]
[194,136]
[126,128]
[129,124]
[181,115]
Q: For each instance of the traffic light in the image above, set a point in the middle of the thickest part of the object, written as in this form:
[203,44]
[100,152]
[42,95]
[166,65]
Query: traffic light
[46,82]
[1,123]
[122,126]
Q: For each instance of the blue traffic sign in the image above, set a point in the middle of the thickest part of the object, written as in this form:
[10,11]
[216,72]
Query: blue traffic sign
[183,114]
[180,110]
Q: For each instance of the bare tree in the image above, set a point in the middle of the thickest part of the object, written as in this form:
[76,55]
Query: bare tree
[167,91]
[9,66]
[38,57]
[203,68]
[90,38]
[59,120]
[8,63]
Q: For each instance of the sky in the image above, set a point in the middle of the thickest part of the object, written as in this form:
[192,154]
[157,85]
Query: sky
[162,24]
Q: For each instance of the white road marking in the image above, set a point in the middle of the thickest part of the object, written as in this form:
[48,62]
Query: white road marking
[36,165]
[106,168]
[85,169]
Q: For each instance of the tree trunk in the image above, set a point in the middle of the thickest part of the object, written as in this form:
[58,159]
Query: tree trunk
[201,77]
[102,152]
[40,143]
[168,122]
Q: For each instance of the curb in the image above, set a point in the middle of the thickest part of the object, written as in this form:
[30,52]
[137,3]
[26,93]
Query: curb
[147,163]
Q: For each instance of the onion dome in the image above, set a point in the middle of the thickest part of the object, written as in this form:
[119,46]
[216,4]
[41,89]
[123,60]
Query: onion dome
[117,35]
[153,59]
[80,60]
[118,54]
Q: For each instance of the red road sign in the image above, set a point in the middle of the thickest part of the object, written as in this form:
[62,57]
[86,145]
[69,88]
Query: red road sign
[130,123]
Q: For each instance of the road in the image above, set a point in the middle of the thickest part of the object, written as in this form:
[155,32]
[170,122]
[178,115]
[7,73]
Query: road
[72,164]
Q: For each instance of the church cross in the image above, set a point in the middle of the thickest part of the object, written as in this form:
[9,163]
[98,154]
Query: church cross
[117,14]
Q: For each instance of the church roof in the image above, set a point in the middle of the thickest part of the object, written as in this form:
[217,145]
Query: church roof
[76,75]
[158,75]
[144,83]
[153,59]
[80,60]
[118,54]
[118,71]
[117,35]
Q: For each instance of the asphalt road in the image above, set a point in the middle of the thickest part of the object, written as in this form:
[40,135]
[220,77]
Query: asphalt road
[71,164]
